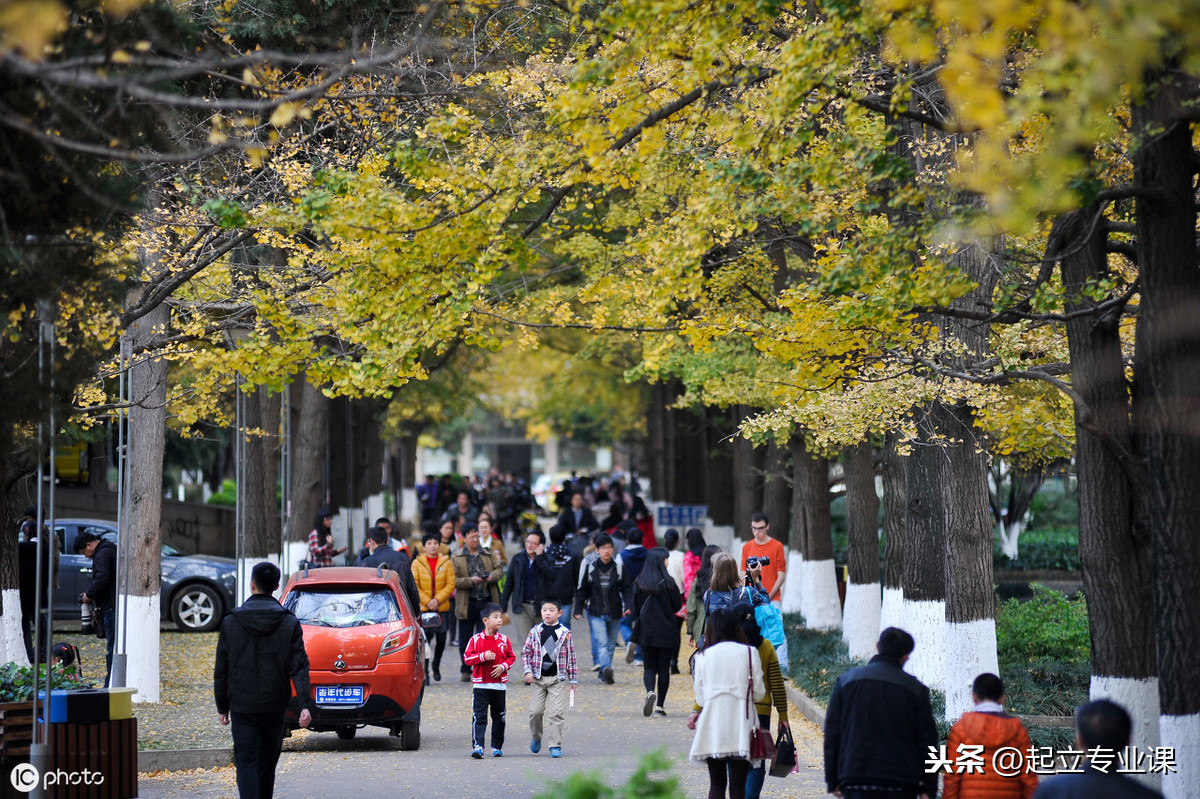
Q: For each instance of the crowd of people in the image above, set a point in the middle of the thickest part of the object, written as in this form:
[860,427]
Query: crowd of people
[645,595]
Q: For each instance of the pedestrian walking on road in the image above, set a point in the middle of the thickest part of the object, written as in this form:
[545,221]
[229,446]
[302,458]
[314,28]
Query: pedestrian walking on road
[727,675]
[260,656]
[548,657]
[566,573]
[879,728]
[697,616]
[476,575]
[776,692]
[656,628]
[526,583]
[490,655]
[993,729]
[604,592]
[435,583]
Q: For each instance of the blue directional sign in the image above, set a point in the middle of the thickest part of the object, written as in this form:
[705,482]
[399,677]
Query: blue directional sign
[681,515]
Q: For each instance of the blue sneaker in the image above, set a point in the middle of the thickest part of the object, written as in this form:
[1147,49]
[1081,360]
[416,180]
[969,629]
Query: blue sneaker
[556,751]
[535,746]
[477,753]
[497,753]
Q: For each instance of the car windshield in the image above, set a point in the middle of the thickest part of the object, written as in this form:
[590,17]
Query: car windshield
[171,552]
[351,606]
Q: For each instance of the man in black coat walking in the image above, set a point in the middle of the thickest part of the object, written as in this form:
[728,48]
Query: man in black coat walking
[102,590]
[879,727]
[380,554]
[260,655]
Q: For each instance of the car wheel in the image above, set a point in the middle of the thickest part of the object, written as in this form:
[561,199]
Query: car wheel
[346,731]
[410,735]
[196,608]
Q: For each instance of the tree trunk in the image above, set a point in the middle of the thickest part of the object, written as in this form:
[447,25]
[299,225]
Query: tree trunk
[860,618]
[309,436]
[928,493]
[777,490]
[12,644]
[261,472]
[970,597]
[747,477]
[139,604]
[716,460]
[658,454]
[812,540]
[1114,548]
[895,510]
[1167,410]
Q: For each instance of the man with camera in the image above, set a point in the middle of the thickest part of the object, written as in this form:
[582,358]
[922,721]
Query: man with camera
[767,553]
[101,591]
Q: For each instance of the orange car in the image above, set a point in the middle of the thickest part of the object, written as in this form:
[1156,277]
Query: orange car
[365,651]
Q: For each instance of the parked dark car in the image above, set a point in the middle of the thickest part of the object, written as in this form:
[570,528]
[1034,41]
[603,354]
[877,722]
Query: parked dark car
[197,590]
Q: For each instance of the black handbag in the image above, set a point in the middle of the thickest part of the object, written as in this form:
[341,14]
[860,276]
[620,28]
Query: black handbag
[785,754]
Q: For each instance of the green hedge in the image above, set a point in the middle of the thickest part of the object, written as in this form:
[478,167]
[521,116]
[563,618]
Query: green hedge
[1041,549]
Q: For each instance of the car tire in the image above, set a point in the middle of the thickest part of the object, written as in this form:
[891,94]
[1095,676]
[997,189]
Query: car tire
[196,608]
[410,736]
[346,731]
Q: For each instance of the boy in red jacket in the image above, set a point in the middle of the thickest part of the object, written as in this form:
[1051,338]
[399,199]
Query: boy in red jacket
[490,655]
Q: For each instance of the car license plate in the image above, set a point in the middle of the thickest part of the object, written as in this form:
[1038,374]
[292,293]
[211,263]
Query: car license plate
[339,695]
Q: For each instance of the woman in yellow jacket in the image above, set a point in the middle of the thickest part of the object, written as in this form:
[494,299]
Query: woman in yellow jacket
[435,583]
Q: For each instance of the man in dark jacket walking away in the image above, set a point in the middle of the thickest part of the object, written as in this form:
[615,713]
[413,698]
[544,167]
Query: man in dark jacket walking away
[1103,730]
[102,591]
[260,655]
[879,727]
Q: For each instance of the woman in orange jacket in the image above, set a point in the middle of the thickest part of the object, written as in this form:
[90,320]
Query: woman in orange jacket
[989,727]
[434,577]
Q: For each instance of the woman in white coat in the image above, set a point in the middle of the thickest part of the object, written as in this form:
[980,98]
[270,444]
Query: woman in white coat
[724,671]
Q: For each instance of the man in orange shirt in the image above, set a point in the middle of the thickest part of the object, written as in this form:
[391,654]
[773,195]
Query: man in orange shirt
[763,546]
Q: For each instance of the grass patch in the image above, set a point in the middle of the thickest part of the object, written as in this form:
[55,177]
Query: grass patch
[817,658]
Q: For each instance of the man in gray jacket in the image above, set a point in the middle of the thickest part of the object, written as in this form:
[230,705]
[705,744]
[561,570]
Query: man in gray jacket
[260,655]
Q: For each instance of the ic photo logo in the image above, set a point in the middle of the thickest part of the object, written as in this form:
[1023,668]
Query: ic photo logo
[25,777]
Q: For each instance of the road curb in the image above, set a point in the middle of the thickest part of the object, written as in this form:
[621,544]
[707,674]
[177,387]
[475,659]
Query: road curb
[807,707]
[183,759]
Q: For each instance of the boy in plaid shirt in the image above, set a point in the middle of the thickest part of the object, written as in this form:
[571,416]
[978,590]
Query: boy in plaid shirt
[550,667]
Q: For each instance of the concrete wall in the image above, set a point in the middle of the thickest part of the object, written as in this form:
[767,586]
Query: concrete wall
[189,526]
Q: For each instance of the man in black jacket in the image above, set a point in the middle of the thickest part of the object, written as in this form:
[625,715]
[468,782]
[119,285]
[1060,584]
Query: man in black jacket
[102,591]
[566,572]
[605,593]
[260,655]
[577,518]
[530,575]
[879,727]
[380,554]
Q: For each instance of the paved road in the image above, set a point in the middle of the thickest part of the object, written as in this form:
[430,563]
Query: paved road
[605,732]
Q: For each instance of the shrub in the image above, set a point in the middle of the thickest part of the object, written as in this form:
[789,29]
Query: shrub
[226,496]
[16,682]
[651,780]
[1042,549]
[1051,625]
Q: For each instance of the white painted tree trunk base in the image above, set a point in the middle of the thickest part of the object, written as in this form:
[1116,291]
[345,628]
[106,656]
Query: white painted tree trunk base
[1182,733]
[140,642]
[1140,700]
[244,568]
[790,599]
[860,619]
[970,651]
[819,602]
[11,639]
[925,621]
[891,612]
